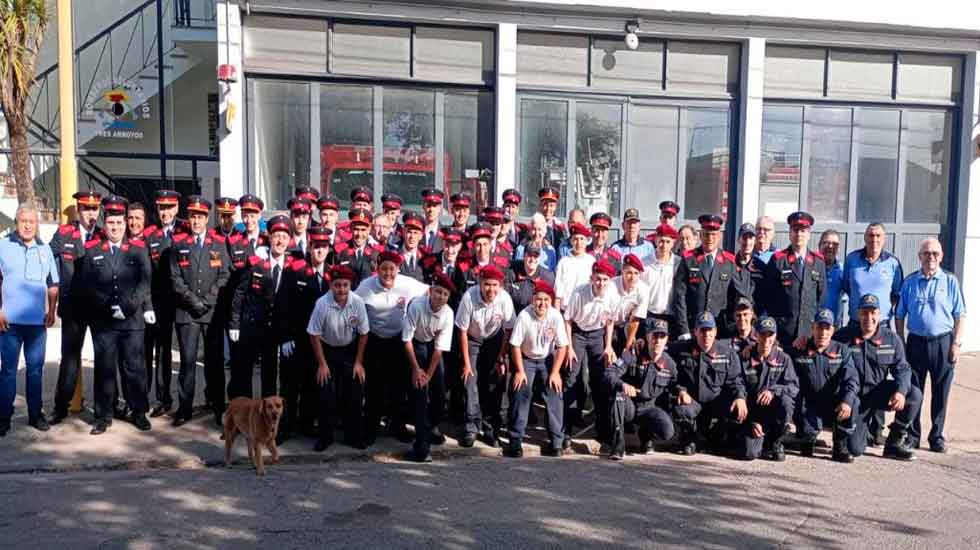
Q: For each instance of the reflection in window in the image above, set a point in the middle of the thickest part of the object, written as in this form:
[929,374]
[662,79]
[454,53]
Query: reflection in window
[597,151]
[779,171]
[707,170]
[926,166]
[346,153]
[653,158]
[468,129]
[829,166]
[544,135]
[877,164]
[279,143]
[409,152]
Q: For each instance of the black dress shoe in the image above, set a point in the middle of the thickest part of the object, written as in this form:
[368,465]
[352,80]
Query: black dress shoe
[120,413]
[467,440]
[141,422]
[58,417]
[646,446]
[514,450]
[4,428]
[490,438]
[689,449]
[322,444]
[422,458]
[100,427]
[40,423]
[160,410]
[180,420]
[566,443]
[552,451]
[938,446]
[436,437]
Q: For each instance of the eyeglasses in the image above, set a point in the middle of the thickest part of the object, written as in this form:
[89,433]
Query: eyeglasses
[764,229]
[928,253]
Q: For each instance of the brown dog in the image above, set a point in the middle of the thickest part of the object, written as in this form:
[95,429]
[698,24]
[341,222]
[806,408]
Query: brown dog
[258,420]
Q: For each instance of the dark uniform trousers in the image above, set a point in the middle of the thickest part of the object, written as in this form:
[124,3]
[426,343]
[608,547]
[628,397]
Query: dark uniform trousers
[255,341]
[520,402]
[773,418]
[428,402]
[877,400]
[297,377]
[158,343]
[697,416]
[189,340]
[655,423]
[122,349]
[930,356]
[819,409]
[485,389]
[387,380]
[68,247]
[589,346]
[342,394]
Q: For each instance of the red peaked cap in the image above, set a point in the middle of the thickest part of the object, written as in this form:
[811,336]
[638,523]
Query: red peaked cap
[579,229]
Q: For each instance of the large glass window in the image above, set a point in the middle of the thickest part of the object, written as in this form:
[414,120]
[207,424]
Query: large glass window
[346,138]
[544,139]
[828,143]
[469,131]
[598,131]
[707,168]
[279,138]
[877,185]
[926,166]
[653,157]
[782,146]
[409,141]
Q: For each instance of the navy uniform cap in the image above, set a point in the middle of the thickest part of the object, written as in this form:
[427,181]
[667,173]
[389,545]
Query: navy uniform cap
[655,326]
[869,301]
[766,324]
[705,320]
[743,302]
[824,316]
[746,229]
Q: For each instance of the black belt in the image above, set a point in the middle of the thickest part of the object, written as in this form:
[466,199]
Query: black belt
[929,338]
[575,328]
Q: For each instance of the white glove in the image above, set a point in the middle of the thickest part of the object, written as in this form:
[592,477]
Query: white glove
[117,313]
[233,334]
[150,317]
[685,336]
[287,349]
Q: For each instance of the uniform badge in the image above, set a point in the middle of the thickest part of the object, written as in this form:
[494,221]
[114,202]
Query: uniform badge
[215,259]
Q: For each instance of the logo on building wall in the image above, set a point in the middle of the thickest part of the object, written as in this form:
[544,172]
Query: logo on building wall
[117,107]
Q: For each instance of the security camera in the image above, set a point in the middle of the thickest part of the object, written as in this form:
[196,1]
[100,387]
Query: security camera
[631,39]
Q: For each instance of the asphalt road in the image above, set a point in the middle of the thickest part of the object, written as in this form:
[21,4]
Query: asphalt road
[658,501]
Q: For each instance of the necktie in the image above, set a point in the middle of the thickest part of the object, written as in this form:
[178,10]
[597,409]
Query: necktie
[112,250]
[358,254]
[200,241]
[167,233]
[275,276]
[251,244]
[709,264]
[302,246]
[798,268]
[411,262]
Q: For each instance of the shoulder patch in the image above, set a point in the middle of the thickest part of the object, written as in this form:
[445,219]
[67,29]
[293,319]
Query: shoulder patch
[138,243]
[779,254]
[254,260]
[297,264]
[728,255]
[816,254]
[218,238]
[66,229]
[688,254]
[92,243]
[180,237]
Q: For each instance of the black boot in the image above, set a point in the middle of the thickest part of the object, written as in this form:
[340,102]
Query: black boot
[618,446]
[897,445]
[841,452]
[807,446]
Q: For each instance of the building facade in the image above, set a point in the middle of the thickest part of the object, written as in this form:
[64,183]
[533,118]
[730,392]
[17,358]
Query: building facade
[854,113]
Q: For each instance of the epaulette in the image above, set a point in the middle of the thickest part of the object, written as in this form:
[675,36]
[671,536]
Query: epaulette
[218,238]
[92,243]
[180,237]
[818,255]
[138,243]
[500,261]
[297,264]
[614,253]
[688,254]
[428,262]
[379,248]
[340,247]
[728,256]
[149,231]
[254,260]
[235,238]
[779,254]
[66,229]
[506,245]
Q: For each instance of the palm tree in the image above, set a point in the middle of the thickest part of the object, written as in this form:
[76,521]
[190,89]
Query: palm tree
[22,25]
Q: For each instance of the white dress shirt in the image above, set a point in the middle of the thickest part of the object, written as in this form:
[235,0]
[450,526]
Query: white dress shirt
[631,304]
[482,320]
[571,272]
[537,337]
[659,277]
[425,325]
[590,312]
[338,326]
[386,306]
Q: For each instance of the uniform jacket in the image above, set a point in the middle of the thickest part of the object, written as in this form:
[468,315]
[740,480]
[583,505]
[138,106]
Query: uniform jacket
[694,293]
[467,273]
[877,358]
[829,370]
[521,287]
[608,254]
[121,279]
[236,246]
[416,271]
[159,247]
[68,250]
[257,299]
[706,374]
[345,253]
[301,286]
[198,273]
[775,373]
[752,276]
[793,301]
[655,382]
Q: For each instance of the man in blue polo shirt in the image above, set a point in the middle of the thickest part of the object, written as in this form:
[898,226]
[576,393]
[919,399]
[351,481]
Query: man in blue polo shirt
[931,306]
[872,270]
[829,247]
[30,296]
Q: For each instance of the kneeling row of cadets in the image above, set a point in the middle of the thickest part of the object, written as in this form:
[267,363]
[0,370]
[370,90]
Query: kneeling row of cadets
[353,332]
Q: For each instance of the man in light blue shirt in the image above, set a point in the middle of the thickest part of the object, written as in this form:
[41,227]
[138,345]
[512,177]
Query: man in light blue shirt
[829,247]
[765,232]
[872,270]
[30,296]
[931,306]
[632,243]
